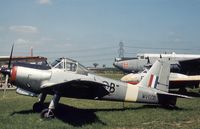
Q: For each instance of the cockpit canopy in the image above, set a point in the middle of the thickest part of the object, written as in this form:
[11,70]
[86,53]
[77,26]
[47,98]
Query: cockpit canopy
[69,65]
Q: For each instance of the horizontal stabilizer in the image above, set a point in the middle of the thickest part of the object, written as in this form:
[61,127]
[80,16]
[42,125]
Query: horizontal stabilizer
[174,95]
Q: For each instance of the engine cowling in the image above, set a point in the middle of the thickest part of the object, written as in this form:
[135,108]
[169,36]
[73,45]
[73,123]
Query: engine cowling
[28,78]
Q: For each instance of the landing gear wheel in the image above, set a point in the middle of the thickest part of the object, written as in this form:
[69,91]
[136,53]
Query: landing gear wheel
[182,90]
[169,106]
[37,107]
[47,114]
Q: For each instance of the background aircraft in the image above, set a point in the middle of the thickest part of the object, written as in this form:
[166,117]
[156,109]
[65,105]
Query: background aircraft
[68,78]
[176,80]
[180,63]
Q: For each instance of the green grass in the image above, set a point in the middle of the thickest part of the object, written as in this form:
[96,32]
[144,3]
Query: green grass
[115,76]
[16,113]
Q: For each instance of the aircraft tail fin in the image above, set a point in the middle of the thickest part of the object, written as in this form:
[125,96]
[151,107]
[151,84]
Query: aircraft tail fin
[157,77]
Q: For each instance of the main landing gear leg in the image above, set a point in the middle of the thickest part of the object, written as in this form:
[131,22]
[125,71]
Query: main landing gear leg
[49,112]
[38,106]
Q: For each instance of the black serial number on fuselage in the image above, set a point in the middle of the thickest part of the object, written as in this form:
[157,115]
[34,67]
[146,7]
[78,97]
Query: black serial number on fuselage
[110,87]
[149,97]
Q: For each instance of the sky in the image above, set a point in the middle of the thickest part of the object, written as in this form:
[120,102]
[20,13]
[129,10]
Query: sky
[90,31]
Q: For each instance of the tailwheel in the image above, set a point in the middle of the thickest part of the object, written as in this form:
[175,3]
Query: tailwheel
[169,106]
[47,114]
[38,107]
[183,90]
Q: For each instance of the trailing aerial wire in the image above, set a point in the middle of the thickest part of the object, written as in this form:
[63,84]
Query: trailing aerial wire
[97,60]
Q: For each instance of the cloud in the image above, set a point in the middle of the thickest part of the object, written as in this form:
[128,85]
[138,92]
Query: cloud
[1,28]
[44,2]
[21,41]
[172,33]
[23,29]
[46,39]
[177,40]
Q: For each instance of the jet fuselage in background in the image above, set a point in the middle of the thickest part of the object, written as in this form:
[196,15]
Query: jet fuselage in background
[181,63]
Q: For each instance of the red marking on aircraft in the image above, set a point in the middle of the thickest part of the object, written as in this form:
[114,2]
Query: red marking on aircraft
[125,64]
[150,80]
[133,83]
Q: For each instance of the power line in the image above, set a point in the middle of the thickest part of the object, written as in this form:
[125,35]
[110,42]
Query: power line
[97,60]
[96,55]
[77,50]
[161,48]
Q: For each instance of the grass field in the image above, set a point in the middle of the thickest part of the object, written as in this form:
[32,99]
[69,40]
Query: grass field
[16,113]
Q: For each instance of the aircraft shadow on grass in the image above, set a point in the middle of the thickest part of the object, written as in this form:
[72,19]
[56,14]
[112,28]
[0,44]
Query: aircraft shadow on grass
[79,117]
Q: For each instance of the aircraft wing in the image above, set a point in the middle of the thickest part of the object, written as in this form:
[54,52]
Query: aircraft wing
[190,67]
[79,88]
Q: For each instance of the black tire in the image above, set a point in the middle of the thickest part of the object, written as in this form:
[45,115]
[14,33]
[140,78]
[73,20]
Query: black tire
[38,107]
[47,114]
[182,91]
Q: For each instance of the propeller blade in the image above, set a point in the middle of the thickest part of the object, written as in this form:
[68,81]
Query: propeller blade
[7,72]
[1,85]
[5,86]
[1,80]
[9,64]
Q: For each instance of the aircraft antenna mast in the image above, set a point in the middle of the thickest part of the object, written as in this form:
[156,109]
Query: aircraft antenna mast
[121,49]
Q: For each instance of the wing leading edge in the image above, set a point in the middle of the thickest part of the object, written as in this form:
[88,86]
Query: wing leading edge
[78,89]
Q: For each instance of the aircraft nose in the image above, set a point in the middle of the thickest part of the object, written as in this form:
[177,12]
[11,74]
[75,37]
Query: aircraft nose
[117,65]
[114,64]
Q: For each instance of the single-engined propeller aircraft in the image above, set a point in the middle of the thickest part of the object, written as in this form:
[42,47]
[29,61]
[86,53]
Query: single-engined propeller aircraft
[68,78]
[176,80]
